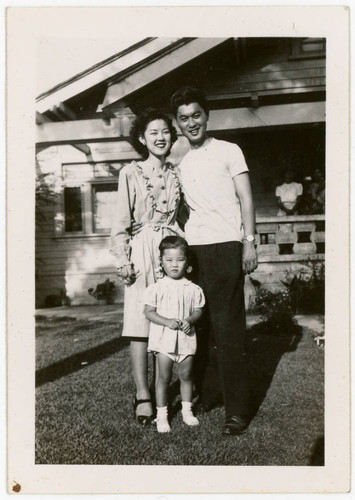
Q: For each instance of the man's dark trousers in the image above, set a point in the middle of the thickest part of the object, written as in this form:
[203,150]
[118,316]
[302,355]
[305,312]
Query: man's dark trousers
[221,364]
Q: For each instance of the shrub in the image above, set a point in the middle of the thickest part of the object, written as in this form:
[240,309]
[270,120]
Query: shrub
[57,299]
[53,300]
[45,197]
[275,311]
[307,289]
[104,291]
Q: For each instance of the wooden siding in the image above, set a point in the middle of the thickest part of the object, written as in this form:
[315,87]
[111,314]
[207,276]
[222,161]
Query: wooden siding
[71,265]
[269,77]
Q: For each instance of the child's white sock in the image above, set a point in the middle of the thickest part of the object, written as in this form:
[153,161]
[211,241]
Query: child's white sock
[187,415]
[162,419]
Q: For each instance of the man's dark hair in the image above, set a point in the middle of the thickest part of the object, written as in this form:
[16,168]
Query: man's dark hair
[174,242]
[140,124]
[187,95]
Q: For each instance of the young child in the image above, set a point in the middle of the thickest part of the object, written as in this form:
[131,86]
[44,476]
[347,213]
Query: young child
[172,305]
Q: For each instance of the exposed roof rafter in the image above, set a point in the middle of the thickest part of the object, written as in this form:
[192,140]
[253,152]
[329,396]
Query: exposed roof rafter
[158,65]
[104,72]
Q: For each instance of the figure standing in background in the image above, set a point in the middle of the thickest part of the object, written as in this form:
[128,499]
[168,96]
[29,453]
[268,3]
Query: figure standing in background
[317,192]
[289,194]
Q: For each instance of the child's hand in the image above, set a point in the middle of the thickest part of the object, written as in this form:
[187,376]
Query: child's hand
[173,324]
[185,326]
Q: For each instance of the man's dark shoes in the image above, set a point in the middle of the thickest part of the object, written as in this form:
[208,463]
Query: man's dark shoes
[237,424]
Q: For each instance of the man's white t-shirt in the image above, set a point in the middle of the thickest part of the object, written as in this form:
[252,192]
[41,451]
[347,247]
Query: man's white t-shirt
[207,181]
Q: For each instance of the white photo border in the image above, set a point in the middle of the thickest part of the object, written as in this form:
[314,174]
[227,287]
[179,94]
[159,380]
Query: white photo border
[24,27]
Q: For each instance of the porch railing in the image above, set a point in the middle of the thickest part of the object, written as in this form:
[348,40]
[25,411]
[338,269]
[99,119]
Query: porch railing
[289,238]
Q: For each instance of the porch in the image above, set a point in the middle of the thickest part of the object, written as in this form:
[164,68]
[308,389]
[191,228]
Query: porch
[287,246]
[290,238]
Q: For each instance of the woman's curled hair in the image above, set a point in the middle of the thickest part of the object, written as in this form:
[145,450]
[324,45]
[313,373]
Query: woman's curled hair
[139,126]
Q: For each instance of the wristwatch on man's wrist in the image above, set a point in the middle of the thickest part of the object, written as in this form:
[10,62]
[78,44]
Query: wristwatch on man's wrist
[250,238]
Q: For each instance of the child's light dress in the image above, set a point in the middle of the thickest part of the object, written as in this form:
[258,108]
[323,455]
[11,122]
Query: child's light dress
[173,299]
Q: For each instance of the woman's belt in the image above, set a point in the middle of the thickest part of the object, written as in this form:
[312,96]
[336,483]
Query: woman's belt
[156,227]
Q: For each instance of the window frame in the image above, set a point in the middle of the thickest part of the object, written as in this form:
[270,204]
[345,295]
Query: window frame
[74,233]
[101,182]
[297,51]
[86,185]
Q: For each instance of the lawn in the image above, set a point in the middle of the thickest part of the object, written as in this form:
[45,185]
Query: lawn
[84,395]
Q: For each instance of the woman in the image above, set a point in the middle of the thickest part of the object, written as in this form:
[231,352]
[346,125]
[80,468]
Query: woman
[148,193]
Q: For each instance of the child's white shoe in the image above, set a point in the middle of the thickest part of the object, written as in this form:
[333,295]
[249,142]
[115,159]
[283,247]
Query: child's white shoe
[187,415]
[163,426]
[189,418]
[162,420]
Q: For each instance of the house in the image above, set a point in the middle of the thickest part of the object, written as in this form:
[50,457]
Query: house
[265,94]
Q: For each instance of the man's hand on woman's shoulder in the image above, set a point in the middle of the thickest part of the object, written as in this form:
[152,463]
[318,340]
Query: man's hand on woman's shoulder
[136,228]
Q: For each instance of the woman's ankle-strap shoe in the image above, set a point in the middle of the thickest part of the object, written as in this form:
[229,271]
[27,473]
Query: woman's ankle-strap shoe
[143,420]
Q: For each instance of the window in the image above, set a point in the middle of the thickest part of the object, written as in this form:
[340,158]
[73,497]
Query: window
[104,200]
[72,210]
[313,45]
[305,48]
[88,198]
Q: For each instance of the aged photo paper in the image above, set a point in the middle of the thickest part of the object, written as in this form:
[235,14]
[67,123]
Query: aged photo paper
[98,26]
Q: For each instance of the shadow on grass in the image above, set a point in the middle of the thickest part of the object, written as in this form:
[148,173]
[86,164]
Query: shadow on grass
[175,405]
[54,319]
[74,363]
[317,458]
[264,352]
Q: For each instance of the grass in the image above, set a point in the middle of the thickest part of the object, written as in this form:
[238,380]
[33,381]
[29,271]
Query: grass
[85,393]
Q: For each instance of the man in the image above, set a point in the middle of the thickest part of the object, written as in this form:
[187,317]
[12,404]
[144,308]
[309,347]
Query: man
[220,231]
